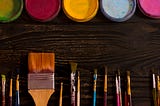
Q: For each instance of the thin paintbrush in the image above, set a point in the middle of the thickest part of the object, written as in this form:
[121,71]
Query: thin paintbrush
[154,91]
[119,86]
[73,82]
[94,87]
[10,92]
[126,98]
[17,92]
[105,87]
[117,93]
[129,89]
[3,89]
[125,93]
[78,89]
[61,94]
[158,89]
[41,77]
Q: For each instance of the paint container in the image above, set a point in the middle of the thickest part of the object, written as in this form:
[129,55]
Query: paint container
[150,8]
[10,10]
[80,10]
[118,10]
[43,10]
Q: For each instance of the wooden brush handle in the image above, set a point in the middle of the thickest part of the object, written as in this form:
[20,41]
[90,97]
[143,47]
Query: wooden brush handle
[42,96]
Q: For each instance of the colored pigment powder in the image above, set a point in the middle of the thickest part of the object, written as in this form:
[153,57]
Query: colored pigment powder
[116,8]
[10,9]
[151,7]
[42,9]
[81,9]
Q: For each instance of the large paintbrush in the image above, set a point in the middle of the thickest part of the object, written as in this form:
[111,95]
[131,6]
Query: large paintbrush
[41,77]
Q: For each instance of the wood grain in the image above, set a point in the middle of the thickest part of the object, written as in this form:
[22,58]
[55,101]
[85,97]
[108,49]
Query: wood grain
[132,45]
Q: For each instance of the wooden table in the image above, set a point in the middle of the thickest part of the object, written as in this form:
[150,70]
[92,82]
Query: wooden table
[132,45]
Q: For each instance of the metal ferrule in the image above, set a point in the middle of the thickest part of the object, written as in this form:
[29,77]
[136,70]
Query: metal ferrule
[41,81]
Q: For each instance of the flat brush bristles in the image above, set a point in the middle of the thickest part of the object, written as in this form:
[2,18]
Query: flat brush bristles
[41,62]
[41,70]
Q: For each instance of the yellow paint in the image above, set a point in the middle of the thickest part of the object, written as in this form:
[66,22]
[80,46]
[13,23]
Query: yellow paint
[6,7]
[80,10]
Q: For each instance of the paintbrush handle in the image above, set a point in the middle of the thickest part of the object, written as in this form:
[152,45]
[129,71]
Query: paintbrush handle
[105,99]
[42,96]
[73,89]
[129,100]
[78,90]
[94,87]
[126,99]
[94,98]
[118,100]
[3,92]
[17,99]
[154,97]
[61,93]
[10,101]
[3,99]
[10,93]
[158,98]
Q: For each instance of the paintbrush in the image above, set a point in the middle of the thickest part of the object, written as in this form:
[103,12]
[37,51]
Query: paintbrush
[41,77]
[105,87]
[3,89]
[126,98]
[10,92]
[94,87]
[17,103]
[117,92]
[61,94]
[154,91]
[73,81]
[129,89]
[158,89]
[126,93]
[119,87]
[78,89]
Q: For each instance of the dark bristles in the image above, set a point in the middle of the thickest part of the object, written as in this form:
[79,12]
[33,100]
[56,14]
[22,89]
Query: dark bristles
[119,72]
[41,62]
[128,73]
[95,71]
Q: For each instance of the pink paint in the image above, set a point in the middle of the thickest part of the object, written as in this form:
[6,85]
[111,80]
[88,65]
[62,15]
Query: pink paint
[150,8]
[43,10]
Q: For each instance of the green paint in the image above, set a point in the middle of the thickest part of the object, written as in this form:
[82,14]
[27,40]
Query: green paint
[10,10]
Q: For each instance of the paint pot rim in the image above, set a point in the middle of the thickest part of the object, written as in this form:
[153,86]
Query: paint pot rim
[16,14]
[88,18]
[146,13]
[51,17]
[129,14]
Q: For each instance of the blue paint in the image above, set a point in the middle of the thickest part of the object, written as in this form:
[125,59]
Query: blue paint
[118,10]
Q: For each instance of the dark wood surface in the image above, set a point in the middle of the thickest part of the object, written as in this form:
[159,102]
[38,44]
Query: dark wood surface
[132,45]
